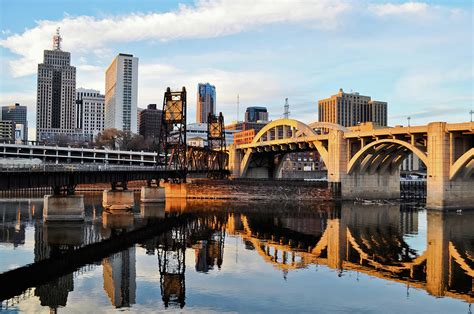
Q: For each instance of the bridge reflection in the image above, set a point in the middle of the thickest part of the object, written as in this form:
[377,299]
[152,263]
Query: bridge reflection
[369,239]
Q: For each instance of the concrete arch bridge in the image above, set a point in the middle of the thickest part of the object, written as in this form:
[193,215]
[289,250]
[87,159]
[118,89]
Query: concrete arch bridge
[364,162]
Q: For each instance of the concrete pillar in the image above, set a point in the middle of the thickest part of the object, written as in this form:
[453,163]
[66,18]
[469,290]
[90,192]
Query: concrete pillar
[356,185]
[63,208]
[152,194]
[371,186]
[336,162]
[443,193]
[235,159]
[175,190]
[118,199]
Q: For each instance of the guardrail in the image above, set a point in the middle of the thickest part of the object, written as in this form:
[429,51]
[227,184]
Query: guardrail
[75,167]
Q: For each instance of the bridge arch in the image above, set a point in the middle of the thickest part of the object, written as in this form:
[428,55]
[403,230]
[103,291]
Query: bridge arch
[466,161]
[381,154]
[327,125]
[294,124]
[279,132]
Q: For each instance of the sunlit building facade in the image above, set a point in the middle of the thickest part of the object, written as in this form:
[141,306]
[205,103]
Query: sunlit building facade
[56,95]
[206,102]
[121,93]
[350,109]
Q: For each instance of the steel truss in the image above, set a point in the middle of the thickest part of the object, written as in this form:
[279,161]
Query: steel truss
[172,140]
[217,158]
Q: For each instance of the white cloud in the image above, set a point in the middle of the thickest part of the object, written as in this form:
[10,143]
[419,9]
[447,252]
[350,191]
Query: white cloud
[252,86]
[399,8]
[207,19]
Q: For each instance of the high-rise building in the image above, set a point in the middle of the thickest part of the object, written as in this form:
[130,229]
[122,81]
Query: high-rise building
[7,131]
[350,109]
[56,94]
[206,102]
[90,109]
[150,122]
[17,114]
[121,92]
[254,114]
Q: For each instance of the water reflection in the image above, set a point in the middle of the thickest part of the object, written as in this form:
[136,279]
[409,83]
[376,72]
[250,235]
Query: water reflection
[370,239]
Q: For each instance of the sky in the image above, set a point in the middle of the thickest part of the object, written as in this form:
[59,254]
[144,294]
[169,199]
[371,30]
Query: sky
[417,56]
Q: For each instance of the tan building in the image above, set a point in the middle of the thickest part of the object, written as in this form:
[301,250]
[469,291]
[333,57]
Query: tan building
[350,109]
[7,130]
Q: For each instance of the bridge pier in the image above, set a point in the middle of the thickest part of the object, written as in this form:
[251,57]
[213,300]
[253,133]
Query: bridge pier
[444,192]
[152,194]
[371,186]
[63,208]
[175,190]
[118,199]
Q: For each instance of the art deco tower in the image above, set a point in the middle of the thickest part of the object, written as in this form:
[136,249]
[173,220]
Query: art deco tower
[56,94]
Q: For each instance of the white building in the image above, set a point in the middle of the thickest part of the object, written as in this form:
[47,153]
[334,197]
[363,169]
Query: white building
[90,109]
[121,93]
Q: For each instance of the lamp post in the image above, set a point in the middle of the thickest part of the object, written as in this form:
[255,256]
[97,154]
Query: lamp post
[409,118]
[471,112]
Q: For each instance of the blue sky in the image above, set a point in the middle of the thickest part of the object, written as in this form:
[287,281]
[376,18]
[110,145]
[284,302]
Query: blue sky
[417,56]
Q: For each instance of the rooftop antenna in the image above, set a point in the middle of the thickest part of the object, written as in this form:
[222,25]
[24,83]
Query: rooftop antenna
[286,114]
[57,40]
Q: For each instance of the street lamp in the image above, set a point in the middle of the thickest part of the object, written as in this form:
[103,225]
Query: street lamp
[471,112]
[409,118]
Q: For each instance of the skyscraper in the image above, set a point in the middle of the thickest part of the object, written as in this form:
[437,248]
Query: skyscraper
[254,114]
[121,92]
[350,109]
[56,94]
[17,114]
[206,102]
[90,108]
[150,122]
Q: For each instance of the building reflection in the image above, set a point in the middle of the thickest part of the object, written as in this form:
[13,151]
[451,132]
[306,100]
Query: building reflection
[368,239]
[51,240]
[120,278]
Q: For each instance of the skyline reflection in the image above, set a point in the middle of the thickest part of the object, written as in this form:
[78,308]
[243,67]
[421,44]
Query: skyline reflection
[191,237]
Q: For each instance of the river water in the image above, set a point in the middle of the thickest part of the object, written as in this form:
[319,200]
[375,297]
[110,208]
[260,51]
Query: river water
[200,256]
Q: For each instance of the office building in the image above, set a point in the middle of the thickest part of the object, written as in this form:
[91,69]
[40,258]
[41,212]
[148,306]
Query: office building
[350,109]
[7,131]
[150,122]
[206,102]
[254,114]
[56,94]
[121,92]
[90,110]
[17,114]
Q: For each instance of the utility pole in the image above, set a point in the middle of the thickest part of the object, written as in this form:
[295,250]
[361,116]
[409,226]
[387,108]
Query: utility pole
[286,113]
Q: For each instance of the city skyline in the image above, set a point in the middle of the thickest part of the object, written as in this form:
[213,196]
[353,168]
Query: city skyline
[408,62]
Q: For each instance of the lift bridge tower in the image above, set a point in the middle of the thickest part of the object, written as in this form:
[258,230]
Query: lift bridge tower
[172,140]
[216,146]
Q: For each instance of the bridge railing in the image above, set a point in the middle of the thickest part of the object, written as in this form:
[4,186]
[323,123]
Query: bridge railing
[74,167]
